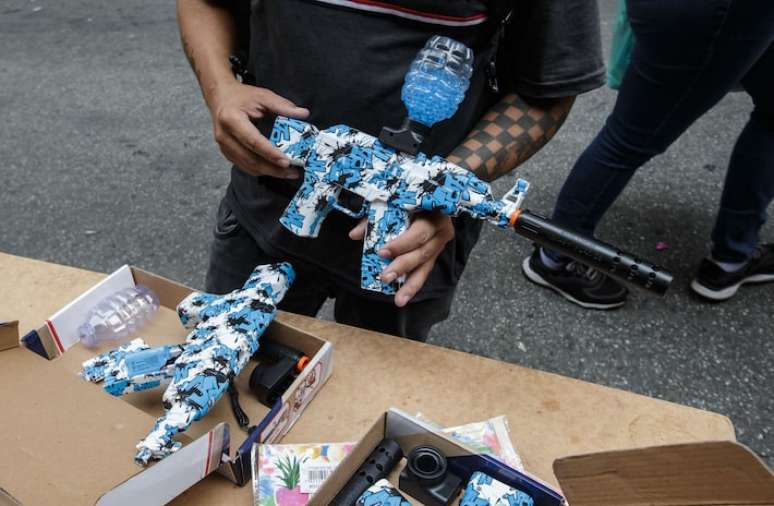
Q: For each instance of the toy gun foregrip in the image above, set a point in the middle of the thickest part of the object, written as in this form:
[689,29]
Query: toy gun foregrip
[589,251]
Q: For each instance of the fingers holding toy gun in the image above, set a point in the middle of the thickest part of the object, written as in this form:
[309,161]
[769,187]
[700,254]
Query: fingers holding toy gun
[414,252]
[234,110]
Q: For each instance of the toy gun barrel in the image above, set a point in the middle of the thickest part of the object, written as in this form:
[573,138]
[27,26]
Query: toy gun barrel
[378,465]
[608,259]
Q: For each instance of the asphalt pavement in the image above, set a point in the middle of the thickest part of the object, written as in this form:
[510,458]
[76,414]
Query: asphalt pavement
[107,158]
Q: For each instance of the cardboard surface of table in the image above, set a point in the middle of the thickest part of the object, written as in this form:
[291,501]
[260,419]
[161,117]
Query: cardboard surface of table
[549,416]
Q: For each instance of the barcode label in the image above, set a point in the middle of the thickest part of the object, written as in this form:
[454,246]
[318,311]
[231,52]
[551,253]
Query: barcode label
[312,477]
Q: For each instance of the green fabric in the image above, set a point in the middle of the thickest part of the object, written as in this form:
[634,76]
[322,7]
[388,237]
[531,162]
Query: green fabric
[621,47]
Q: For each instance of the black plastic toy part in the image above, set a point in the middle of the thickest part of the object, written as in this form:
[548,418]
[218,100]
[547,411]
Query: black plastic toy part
[269,380]
[426,477]
[606,258]
[377,466]
[406,139]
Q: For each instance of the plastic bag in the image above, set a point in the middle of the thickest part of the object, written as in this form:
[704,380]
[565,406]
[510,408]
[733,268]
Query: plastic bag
[620,48]
[488,437]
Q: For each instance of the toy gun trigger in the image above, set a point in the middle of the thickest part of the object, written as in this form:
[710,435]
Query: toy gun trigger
[349,212]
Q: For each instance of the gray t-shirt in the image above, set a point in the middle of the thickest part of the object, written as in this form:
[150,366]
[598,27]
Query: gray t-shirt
[345,61]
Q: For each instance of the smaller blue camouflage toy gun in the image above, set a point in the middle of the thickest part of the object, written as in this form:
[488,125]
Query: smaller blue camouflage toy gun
[395,180]
[225,334]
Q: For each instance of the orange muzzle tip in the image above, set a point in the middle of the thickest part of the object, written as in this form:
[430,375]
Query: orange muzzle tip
[302,362]
[513,217]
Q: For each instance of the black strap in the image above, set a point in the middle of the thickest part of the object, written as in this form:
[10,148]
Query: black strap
[239,414]
[502,12]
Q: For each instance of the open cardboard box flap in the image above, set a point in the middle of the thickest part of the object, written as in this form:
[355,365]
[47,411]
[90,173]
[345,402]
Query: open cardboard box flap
[72,442]
[698,474]
[65,438]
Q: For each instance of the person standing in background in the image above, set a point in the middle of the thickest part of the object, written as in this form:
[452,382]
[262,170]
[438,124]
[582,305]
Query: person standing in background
[687,55]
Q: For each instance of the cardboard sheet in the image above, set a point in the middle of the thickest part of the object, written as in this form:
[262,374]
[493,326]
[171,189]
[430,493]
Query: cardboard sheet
[711,473]
[108,435]
[550,416]
[9,335]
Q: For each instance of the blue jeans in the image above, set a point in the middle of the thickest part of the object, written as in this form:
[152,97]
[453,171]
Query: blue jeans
[688,54]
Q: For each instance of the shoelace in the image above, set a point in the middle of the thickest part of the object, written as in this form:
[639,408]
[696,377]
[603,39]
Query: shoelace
[583,271]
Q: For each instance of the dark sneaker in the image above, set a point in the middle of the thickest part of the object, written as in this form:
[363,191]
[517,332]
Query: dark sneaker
[585,286]
[714,283]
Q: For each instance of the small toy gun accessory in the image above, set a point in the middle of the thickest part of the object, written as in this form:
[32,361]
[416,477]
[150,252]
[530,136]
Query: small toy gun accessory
[270,380]
[382,493]
[376,467]
[483,490]
[225,334]
[426,478]
[395,180]
[118,315]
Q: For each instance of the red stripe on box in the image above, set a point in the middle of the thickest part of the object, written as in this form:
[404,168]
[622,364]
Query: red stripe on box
[57,341]
[209,453]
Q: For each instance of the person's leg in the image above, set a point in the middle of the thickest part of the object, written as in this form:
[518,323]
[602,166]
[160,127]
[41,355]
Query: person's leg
[687,56]
[685,59]
[412,321]
[736,257]
[749,186]
[233,256]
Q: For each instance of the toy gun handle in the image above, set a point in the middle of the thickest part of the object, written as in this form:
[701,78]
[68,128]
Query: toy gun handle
[589,251]
[385,223]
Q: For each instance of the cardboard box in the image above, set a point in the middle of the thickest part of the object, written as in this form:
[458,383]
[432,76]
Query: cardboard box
[409,432]
[9,335]
[698,474]
[72,441]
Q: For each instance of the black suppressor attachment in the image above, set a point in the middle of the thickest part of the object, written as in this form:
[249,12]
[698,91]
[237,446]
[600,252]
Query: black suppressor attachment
[269,380]
[377,466]
[425,477]
[608,259]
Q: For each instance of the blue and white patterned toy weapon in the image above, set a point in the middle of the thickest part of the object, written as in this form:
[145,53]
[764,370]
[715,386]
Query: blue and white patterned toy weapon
[395,180]
[225,333]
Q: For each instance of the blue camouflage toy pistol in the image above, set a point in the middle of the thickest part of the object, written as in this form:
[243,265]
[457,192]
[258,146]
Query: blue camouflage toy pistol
[392,178]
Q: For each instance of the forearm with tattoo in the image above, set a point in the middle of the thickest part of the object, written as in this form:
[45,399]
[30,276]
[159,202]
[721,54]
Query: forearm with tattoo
[509,133]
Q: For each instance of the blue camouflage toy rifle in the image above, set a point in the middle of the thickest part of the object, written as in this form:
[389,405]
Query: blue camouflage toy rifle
[225,333]
[395,181]
[393,186]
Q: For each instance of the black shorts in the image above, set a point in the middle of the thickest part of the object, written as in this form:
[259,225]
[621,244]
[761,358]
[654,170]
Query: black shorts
[235,253]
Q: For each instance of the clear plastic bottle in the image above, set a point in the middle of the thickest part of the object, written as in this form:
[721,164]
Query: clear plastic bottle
[437,80]
[119,315]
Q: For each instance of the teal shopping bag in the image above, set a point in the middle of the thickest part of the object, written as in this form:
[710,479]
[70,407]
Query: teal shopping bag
[621,47]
